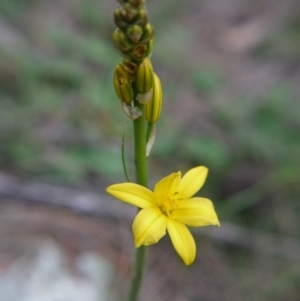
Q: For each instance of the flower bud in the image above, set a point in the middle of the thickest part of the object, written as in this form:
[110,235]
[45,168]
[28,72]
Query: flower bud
[144,76]
[142,18]
[137,3]
[123,85]
[119,20]
[150,47]
[121,41]
[139,52]
[130,68]
[153,107]
[129,12]
[148,34]
[134,33]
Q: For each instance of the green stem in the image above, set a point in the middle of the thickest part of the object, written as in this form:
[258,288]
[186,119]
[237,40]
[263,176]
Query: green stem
[141,171]
[138,271]
[123,155]
[141,168]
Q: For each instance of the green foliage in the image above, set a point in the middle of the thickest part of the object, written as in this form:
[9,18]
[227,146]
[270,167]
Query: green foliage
[211,151]
[206,80]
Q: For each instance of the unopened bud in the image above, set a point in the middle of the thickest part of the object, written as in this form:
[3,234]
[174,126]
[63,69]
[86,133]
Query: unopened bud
[148,34]
[129,12]
[144,76]
[150,47]
[142,18]
[139,52]
[118,18]
[134,33]
[130,67]
[153,107]
[121,41]
[137,3]
[123,85]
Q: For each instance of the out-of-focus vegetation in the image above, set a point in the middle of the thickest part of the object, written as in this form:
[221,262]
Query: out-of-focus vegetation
[231,102]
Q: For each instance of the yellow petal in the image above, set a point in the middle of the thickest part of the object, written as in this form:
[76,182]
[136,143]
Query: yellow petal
[133,194]
[149,227]
[182,240]
[192,181]
[196,212]
[167,186]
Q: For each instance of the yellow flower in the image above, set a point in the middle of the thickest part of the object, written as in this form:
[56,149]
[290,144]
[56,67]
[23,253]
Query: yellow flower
[169,207]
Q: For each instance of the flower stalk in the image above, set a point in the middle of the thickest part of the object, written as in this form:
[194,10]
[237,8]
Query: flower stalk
[141,168]
[170,207]
[133,81]
[141,171]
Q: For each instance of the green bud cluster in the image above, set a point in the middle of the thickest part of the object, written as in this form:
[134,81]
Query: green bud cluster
[134,77]
[134,33]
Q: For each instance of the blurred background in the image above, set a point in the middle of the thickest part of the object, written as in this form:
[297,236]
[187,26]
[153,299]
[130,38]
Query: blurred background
[230,71]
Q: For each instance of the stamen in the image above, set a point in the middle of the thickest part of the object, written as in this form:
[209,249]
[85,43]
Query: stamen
[168,204]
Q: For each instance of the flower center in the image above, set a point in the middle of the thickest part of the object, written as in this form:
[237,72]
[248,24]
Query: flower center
[169,202]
